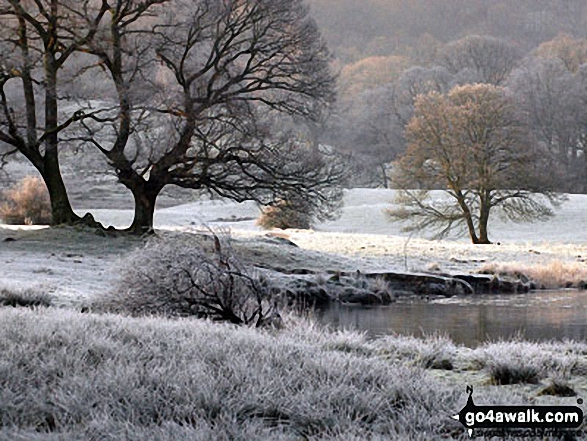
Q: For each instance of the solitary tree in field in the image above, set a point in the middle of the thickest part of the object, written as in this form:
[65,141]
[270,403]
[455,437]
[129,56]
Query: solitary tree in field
[471,144]
[206,92]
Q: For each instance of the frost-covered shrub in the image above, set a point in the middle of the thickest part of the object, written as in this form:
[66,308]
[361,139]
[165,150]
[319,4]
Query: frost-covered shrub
[513,373]
[198,276]
[28,297]
[517,361]
[27,203]
[286,214]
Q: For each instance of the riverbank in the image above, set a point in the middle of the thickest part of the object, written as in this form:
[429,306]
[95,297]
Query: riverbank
[77,265]
[67,375]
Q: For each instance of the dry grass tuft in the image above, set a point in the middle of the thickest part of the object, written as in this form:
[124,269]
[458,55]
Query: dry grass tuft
[27,203]
[286,214]
[552,275]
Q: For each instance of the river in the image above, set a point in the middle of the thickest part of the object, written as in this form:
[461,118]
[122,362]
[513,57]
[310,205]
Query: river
[536,316]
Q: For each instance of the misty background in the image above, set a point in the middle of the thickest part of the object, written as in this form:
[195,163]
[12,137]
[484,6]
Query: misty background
[385,52]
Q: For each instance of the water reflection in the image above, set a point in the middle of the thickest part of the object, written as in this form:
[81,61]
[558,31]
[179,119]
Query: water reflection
[545,315]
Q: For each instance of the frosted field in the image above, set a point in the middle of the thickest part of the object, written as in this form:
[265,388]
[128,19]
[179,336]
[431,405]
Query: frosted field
[364,233]
[303,380]
[77,265]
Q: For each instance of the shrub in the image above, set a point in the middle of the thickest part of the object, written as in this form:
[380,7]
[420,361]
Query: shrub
[558,387]
[27,203]
[199,277]
[24,297]
[504,373]
[286,214]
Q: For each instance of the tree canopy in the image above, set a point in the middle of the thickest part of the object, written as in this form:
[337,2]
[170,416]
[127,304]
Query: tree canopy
[199,94]
[472,144]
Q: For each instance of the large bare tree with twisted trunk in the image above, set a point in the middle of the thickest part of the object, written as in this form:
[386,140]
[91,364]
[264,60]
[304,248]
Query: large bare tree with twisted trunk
[209,93]
[203,94]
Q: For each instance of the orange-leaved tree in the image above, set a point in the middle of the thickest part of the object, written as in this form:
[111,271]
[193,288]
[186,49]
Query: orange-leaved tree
[472,144]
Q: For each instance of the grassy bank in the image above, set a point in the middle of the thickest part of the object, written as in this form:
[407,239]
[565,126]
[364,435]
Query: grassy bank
[551,275]
[71,376]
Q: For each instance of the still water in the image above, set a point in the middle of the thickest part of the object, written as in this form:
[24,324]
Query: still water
[539,316]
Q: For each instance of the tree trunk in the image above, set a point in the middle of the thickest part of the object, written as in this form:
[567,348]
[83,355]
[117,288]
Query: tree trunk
[483,220]
[145,197]
[61,211]
[483,237]
[468,217]
[483,234]
[384,177]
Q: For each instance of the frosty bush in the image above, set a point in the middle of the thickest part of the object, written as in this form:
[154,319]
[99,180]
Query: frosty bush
[26,203]
[286,214]
[27,297]
[512,373]
[198,276]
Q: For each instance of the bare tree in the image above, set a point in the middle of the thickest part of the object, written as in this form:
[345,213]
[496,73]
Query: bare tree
[472,144]
[572,52]
[370,125]
[491,59]
[553,101]
[37,39]
[365,128]
[416,81]
[203,88]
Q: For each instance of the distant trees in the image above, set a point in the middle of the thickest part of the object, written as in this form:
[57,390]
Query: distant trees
[572,52]
[367,131]
[369,73]
[472,144]
[371,125]
[548,85]
[553,101]
[356,28]
[485,59]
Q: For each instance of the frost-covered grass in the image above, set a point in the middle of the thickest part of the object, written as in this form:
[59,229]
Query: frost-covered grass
[72,376]
[550,275]
[25,297]
[532,361]
[72,265]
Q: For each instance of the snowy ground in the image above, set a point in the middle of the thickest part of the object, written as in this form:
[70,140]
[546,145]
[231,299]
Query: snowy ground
[78,265]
